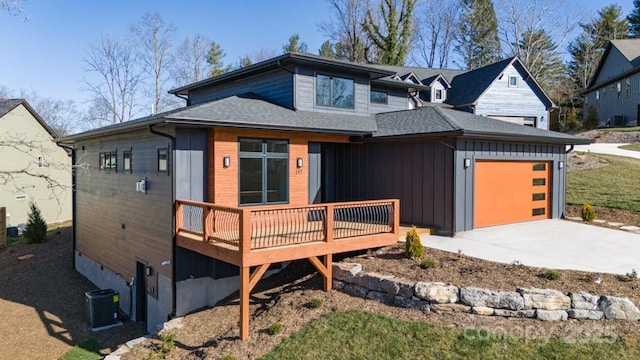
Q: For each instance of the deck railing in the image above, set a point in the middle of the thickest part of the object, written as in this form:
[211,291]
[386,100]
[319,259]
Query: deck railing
[270,226]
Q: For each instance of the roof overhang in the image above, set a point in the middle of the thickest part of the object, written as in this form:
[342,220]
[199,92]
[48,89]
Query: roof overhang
[477,135]
[400,84]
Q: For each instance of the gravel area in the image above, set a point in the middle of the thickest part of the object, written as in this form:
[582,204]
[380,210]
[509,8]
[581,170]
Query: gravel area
[614,137]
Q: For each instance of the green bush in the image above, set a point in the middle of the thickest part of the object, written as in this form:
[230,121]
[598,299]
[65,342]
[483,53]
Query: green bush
[591,120]
[36,230]
[168,344]
[275,329]
[413,247]
[587,213]
[551,275]
[314,303]
[428,264]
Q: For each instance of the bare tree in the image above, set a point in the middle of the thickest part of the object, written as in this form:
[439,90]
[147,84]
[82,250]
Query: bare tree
[154,38]
[392,35]
[190,61]
[114,91]
[346,28]
[13,7]
[436,31]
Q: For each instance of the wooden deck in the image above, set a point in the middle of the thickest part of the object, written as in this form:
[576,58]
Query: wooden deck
[260,236]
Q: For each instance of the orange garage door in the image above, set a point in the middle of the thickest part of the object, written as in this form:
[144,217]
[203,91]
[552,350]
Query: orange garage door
[510,191]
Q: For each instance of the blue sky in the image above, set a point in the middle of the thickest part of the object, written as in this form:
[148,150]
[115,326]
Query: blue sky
[45,52]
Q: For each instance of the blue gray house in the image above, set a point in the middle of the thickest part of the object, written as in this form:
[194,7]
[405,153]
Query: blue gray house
[614,90]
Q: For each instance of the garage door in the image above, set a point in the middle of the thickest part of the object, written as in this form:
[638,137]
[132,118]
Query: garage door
[510,191]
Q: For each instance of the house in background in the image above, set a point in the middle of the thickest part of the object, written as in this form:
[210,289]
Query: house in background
[33,168]
[294,157]
[504,90]
[614,90]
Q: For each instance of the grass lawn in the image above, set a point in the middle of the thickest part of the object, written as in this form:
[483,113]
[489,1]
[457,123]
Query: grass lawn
[357,334]
[622,129]
[87,350]
[634,147]
[613,186]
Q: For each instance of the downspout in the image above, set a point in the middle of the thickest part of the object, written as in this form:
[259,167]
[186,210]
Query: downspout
[173,228]
[73,202]
[453,192]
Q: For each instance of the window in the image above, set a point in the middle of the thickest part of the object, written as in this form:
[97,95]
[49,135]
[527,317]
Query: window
[335,92]
[126,161]
[264,171]
[618,90]
[627,88]
[163,160]
[438,94]
[597,97]
[538,212]
[539,182]
[108,160]
[539,196]
[539,167]
[513,81]
[379,97]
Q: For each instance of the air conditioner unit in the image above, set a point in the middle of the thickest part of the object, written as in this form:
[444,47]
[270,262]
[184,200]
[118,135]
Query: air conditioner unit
[141,185]
[618,120]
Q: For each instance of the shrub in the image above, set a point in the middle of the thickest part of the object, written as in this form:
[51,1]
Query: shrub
[413,247]
[168,343]
[36,230]
[591,120]
[551,275]
[587,213]
[275,329]
[428,264]
[314,303]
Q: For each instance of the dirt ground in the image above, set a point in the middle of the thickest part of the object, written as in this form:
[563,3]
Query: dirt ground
[615,137]
[213,333]
[42,302]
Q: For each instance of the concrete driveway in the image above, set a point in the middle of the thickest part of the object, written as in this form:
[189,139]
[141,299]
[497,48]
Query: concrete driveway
[608,149]
[555,244]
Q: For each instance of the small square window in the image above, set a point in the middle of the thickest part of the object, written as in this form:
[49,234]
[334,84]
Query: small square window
[126,161]
[108,161]
[163,160]
[513,81]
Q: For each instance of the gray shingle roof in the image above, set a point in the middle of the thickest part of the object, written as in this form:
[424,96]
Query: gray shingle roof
[436,120]
[424,74]
[630,48]
[7,105]
[466,88]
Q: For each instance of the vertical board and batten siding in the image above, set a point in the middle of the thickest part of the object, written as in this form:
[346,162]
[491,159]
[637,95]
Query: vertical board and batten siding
[419,173]
[115,224]
[223,182]
[609,106]
[19,125]
[501,100]
[614,65]
[191,164]
[305,91]
[276,86]
[503,151]
[398,99]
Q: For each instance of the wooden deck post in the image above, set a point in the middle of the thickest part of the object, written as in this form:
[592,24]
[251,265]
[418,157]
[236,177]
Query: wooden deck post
[179,216]
[207,223]
[396,217]
[244,302]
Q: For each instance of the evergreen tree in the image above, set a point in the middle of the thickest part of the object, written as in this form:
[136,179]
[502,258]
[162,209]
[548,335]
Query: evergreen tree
[36,230]
[540,55]
[478,41]
[634,20]
[294,45]
[214,58]
[393,40]
[327,49]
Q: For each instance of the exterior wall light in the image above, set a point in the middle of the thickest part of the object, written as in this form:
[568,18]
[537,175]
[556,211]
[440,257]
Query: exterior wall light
[560,165]
[226,162]
[299,163]
[467,163]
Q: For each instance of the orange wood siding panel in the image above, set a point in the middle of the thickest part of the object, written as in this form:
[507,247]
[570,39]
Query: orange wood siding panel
[503,192]
[223,182]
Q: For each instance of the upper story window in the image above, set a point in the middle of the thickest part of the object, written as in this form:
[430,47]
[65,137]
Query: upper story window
[513,81]
[335,92]
[438,94]
[618,90]
[379,97]
[108,160]
[126,161]
[264,171]
[163,160]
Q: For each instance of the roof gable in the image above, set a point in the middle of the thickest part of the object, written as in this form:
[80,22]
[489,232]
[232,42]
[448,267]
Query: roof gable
[7,105]
[620,58]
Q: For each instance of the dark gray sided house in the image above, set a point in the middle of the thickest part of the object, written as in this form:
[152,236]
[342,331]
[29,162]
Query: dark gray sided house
[614,90]
[294,157]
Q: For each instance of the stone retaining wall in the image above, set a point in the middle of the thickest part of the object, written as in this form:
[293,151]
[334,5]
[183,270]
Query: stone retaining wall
[541,304]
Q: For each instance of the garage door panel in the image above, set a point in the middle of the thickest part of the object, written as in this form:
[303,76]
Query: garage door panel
[510,191]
